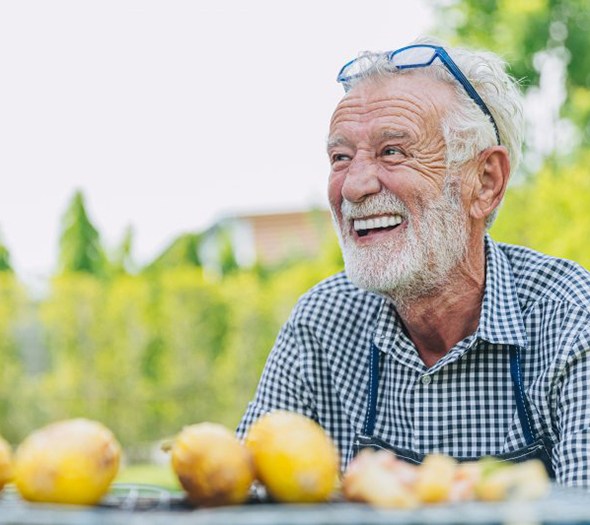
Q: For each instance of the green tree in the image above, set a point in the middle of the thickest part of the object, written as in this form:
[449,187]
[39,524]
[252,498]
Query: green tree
[123,388]
[5,265]
[523,32]
[190,326]
[97,332]
[80,244]
[550,212]
[252,328]
[181,252]
[12,368]
[227,258]
[122,260]
[73,319]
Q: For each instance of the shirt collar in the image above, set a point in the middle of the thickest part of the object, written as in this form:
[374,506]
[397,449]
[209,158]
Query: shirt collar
[501,320]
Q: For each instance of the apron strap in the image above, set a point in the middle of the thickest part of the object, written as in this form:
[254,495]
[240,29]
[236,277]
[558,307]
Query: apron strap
[369,424]
[522,407]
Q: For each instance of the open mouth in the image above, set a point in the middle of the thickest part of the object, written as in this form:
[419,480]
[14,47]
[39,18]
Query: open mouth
[364,227]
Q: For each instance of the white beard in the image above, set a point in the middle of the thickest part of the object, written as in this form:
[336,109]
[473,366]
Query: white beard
[416,263]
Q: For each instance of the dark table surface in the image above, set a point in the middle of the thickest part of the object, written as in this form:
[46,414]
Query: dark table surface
[139,504]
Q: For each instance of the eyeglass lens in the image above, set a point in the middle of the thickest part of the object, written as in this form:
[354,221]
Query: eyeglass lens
[413,57]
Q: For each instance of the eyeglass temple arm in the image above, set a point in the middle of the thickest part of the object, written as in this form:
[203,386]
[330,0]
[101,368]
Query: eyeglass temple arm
[454,69]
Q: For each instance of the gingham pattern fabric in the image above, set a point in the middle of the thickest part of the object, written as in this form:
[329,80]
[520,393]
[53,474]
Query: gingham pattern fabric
[464,404]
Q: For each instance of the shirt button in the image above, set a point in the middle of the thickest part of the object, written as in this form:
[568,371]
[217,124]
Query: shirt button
[426,379]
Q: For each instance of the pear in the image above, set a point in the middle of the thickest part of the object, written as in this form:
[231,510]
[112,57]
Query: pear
[5,463]
[72,461]
[294,458]
[212,465]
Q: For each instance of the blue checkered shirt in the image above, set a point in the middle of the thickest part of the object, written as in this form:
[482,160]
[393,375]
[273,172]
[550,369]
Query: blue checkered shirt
[463,405]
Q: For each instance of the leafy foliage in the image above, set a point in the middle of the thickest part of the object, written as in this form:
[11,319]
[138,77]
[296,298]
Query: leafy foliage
[14,342]
[80,246]
[5,265]
[519,31]
[123,257]
[550,212]
[147,353]
[183,251]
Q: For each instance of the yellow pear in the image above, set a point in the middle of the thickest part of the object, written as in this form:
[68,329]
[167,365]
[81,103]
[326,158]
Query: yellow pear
[293,457]
[213,467]
[5,463]
[72,461]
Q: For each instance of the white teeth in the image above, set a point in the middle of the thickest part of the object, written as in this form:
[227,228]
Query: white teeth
[385,221]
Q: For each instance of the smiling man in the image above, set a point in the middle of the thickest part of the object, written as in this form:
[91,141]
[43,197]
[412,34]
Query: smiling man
[435,338]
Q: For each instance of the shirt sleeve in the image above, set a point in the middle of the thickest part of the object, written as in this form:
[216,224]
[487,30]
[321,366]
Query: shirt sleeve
[281,385]
[572,453]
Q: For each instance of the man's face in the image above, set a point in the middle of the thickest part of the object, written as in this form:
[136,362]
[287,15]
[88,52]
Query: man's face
[400,218]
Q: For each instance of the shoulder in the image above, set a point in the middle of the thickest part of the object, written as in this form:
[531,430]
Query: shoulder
[335,297]
[540,277]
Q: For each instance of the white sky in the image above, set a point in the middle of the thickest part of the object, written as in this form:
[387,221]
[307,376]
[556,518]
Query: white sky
[170,114]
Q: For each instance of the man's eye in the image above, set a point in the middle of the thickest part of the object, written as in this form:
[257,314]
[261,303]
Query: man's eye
[339,157]
[392,151]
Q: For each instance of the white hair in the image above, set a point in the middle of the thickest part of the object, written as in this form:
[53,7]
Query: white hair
[467,130]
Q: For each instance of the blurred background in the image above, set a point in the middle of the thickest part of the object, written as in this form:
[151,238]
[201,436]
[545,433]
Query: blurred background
[164,172]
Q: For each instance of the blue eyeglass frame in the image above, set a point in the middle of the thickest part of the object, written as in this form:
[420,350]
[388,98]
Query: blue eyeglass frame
[447,62]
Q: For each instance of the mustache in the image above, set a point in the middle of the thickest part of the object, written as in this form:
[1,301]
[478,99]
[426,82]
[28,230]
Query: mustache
[381,203]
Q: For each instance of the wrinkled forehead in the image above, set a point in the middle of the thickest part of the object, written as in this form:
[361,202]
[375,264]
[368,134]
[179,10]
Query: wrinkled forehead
[415,93]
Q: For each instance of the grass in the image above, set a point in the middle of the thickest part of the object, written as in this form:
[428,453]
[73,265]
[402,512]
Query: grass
[160,475]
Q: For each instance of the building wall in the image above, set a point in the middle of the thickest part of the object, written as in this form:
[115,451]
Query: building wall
[280,236]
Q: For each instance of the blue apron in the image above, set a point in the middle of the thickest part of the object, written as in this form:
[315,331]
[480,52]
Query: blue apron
[535,448]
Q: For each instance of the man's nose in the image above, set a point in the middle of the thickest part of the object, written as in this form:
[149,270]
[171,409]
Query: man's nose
[361,181]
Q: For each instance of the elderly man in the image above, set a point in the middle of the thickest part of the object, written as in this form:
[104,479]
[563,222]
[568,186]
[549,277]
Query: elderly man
[436,338]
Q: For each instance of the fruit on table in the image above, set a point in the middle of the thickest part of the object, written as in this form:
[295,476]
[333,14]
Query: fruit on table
[435,478]
[381,479]
[5,463]
[72,461]
[294,458]
[212,465]
[500,480]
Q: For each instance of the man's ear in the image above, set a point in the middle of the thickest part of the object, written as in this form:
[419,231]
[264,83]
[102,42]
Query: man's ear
[493,174]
